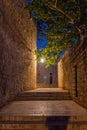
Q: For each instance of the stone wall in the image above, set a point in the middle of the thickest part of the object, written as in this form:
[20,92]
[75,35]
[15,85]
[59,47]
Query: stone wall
[17,45]
[64,72]
[72,72]
[44,75]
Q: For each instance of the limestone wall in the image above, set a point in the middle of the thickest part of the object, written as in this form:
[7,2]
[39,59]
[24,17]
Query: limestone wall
[64,72]
[72,72]
[44,74]
[17,45]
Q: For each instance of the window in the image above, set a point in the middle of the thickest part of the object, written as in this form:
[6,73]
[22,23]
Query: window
[51,79]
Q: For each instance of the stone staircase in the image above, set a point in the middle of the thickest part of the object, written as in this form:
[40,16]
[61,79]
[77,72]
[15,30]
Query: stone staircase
[43,123]
[43,110]
[61,95]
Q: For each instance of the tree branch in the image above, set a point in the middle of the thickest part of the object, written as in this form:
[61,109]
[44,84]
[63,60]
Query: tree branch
[67,16]
[55,3]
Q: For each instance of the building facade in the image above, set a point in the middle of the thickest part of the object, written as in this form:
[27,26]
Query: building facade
[46,77]
[17,45]
[72,72]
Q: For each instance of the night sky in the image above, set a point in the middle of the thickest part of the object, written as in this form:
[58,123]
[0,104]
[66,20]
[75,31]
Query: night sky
[44,42]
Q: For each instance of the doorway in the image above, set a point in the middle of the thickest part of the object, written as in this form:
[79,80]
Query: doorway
[51,78]
[76,82]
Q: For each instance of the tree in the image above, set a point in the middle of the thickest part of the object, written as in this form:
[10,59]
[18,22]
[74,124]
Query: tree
[62,22]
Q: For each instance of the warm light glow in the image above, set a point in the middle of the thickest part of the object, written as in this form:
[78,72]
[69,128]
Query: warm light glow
[42,60]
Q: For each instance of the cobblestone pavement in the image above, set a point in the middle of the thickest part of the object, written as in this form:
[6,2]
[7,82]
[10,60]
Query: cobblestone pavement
[44,108]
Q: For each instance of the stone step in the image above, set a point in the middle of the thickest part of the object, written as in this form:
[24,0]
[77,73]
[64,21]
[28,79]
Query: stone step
[43,123]
[41,98]
[45,93]
[44,96]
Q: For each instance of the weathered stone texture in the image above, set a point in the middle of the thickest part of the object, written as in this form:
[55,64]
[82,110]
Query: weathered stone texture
[17,45]
[43,122]
[44,74]
[63,73]
[72,72]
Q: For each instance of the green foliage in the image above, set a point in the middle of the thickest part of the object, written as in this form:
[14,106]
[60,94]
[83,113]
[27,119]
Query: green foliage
[65,19]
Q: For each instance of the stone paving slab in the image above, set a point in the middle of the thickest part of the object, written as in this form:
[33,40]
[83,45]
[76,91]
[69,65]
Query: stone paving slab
[43,108]
[48,90]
